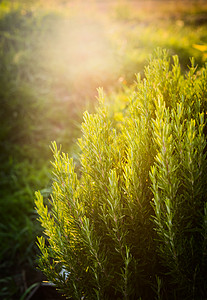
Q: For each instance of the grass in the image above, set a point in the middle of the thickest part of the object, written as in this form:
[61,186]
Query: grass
[54,55]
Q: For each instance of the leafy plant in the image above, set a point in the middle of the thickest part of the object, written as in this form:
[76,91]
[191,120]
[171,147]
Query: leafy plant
[43,87]
[135,218]
[179,186]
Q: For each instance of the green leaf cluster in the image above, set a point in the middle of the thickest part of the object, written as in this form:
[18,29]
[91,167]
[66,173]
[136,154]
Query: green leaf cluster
[130,223]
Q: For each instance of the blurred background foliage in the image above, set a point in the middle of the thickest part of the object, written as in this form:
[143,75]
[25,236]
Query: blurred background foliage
[53,57]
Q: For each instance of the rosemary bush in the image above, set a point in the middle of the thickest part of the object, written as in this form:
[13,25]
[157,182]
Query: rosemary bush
[131,222]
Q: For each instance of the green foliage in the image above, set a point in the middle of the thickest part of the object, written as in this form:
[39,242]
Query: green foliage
[135,217]
[179,186]
[24,158]
[45,80]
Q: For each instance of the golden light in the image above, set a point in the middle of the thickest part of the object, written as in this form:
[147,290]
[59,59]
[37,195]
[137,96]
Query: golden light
[79,50]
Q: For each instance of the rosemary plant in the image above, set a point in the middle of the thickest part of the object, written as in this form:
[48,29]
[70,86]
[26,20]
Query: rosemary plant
[135,215]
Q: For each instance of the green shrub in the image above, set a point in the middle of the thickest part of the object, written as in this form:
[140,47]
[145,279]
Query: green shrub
[134,222]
